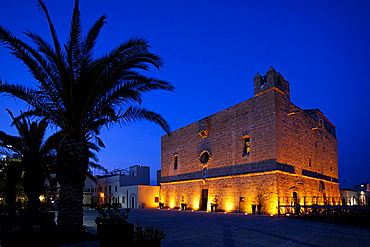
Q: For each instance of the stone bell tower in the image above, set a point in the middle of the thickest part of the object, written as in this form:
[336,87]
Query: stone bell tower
[271,81]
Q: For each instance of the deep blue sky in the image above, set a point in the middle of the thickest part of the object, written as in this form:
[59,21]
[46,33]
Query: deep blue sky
[212,50]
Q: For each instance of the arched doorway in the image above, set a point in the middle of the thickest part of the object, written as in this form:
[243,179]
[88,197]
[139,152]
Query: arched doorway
[295,198]
[133,201]
[204,200]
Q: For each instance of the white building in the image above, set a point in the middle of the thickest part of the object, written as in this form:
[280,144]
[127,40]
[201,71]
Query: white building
[129,188]
[356,196]
[139,196]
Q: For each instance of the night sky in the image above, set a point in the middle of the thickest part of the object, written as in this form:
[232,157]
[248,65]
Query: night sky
[212,50]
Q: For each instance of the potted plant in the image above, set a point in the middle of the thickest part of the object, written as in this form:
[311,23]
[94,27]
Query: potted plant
[215,203]
[113,228]
[161,204]
[259,209]
[148,236]
[254,208]
[261,197]
[183,204]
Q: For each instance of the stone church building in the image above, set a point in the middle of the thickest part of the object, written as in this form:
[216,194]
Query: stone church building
[265,150]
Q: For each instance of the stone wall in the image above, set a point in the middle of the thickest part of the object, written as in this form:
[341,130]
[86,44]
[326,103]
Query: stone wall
[254,118]
[291,153]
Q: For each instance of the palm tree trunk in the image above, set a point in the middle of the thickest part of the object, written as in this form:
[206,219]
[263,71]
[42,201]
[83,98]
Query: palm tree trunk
[10,197]
[34,181]
[12,181]
[71,170]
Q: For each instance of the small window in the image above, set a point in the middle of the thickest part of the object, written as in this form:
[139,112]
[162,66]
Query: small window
[246,145]
[156,199]
[175,162]
[204,158]
[123,199]
[322,186]
[110,188]
[203,133]
[115,188]
[310,161]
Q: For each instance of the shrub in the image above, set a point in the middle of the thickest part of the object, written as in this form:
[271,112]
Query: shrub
[148,233]
[111,216]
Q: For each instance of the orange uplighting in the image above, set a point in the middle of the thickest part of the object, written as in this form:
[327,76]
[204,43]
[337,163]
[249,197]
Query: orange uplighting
[172,202]
[101,194]
[229,206]
[273,88]
[275,185]
[195,204]
[248,175]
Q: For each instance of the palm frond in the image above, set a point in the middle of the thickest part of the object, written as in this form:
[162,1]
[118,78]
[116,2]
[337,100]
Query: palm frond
[11,143]
[134,114]
[37,65]
[89,44]
[93,147]
[73,46]
[52,28]
[30,96]
[98,167]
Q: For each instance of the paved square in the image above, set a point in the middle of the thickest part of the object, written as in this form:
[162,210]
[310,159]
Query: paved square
[187,228]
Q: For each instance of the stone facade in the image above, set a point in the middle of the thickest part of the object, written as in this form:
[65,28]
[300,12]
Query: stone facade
[264,150]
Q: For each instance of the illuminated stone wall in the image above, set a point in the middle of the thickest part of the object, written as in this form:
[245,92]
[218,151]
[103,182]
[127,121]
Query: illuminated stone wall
[228,192]
[292,151]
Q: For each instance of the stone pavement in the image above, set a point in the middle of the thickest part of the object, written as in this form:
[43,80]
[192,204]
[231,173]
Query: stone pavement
[187,228]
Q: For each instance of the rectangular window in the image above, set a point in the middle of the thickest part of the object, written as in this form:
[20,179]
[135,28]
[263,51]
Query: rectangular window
[156,199]
[123,199]
[175,162]
[110,188]
[115,188]
[246,145]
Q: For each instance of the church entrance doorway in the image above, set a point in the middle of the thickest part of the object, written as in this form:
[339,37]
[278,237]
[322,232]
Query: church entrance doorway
[204,200]
[295,198]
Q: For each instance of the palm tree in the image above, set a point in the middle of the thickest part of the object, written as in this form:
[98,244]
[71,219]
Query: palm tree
[37,156]
[35,153]
[81,94]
